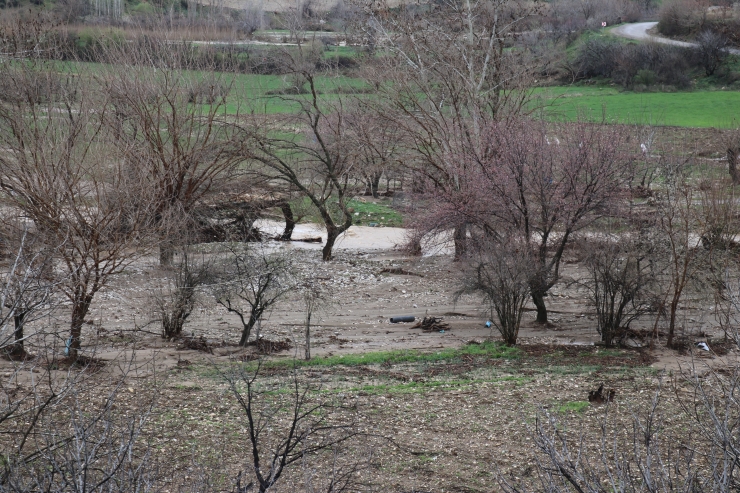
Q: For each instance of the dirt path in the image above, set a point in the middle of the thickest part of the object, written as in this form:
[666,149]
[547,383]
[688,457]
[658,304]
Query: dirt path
[639,31]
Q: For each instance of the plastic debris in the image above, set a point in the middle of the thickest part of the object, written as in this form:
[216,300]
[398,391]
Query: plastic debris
[703,346]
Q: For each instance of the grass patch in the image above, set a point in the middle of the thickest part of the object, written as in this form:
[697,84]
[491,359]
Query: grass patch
[573,406]
[250,92]
[487,349]
[364,213]
[681,109]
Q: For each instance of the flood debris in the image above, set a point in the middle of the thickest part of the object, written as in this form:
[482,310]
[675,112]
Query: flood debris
[195,344]
[268,346]
[399,271]
[316,239]
[431,324]
[600,397]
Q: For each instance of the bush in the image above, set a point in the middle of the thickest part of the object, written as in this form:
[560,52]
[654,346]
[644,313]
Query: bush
[336,63]
[143,8]
[679,17]
[596,57]
[645,77]
[628,64]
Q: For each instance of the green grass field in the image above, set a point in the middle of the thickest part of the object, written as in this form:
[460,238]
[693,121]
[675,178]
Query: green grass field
[718,109]
[364,213]
[253,92]
[682,109]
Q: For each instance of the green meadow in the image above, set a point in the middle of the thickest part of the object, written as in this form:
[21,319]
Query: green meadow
[681,109]
[699,108]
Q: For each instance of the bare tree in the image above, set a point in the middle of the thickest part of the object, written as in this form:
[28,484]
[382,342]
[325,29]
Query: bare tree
[175,302]
[26,292]
[719,216]
[85,449]
[316,295]
[644,459]
[288,429]
[542,190]
[170,125]
[87,208]
[501,273]
[443,77]
[618,285]
[315,160]
[678,222]
[250,282]
[377,145]
[712,50]
[732,141]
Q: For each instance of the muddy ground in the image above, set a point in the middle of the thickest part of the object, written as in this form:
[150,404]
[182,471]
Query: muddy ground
[457,423]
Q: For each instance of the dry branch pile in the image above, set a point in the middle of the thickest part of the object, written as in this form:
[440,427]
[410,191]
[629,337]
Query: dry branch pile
[431,324]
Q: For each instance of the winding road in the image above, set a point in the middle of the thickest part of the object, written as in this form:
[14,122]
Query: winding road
[639,31]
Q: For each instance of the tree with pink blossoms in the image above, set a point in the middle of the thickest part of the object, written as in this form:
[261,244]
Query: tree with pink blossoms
[540,182]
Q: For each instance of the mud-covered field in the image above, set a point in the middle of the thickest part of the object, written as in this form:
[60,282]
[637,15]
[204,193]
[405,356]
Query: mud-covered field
[433,411]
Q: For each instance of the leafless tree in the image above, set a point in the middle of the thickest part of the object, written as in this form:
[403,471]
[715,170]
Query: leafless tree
[54,169]
[376,144]
[501,272]
[170,125]
[543,190]
[732,142]
[85,450]
[443,77]
[712,50]
[618,282]
[27,289]
[678,222]
[648,456]
[175,302]
[250,282]
[643,459]
[285,428]
[316,295]
[314,158]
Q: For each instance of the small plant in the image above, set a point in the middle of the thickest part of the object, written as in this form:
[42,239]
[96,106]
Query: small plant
[573,407]
[645,77]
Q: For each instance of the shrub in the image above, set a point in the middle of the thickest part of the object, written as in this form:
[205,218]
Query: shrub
[597,56]
[679,17]
[645,77]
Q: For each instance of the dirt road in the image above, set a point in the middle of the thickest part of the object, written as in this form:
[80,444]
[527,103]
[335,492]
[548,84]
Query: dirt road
[639,31]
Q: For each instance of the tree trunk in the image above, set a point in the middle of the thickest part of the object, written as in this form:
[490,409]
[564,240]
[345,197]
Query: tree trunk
[247,330]
[331,237]
[461,240]
[732,165]
[289,221]
[672,324]
[375,184]
[538,299]
[166,254]
[415,247]
[79,312]
[607,336]
[17,348]
[308,336]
